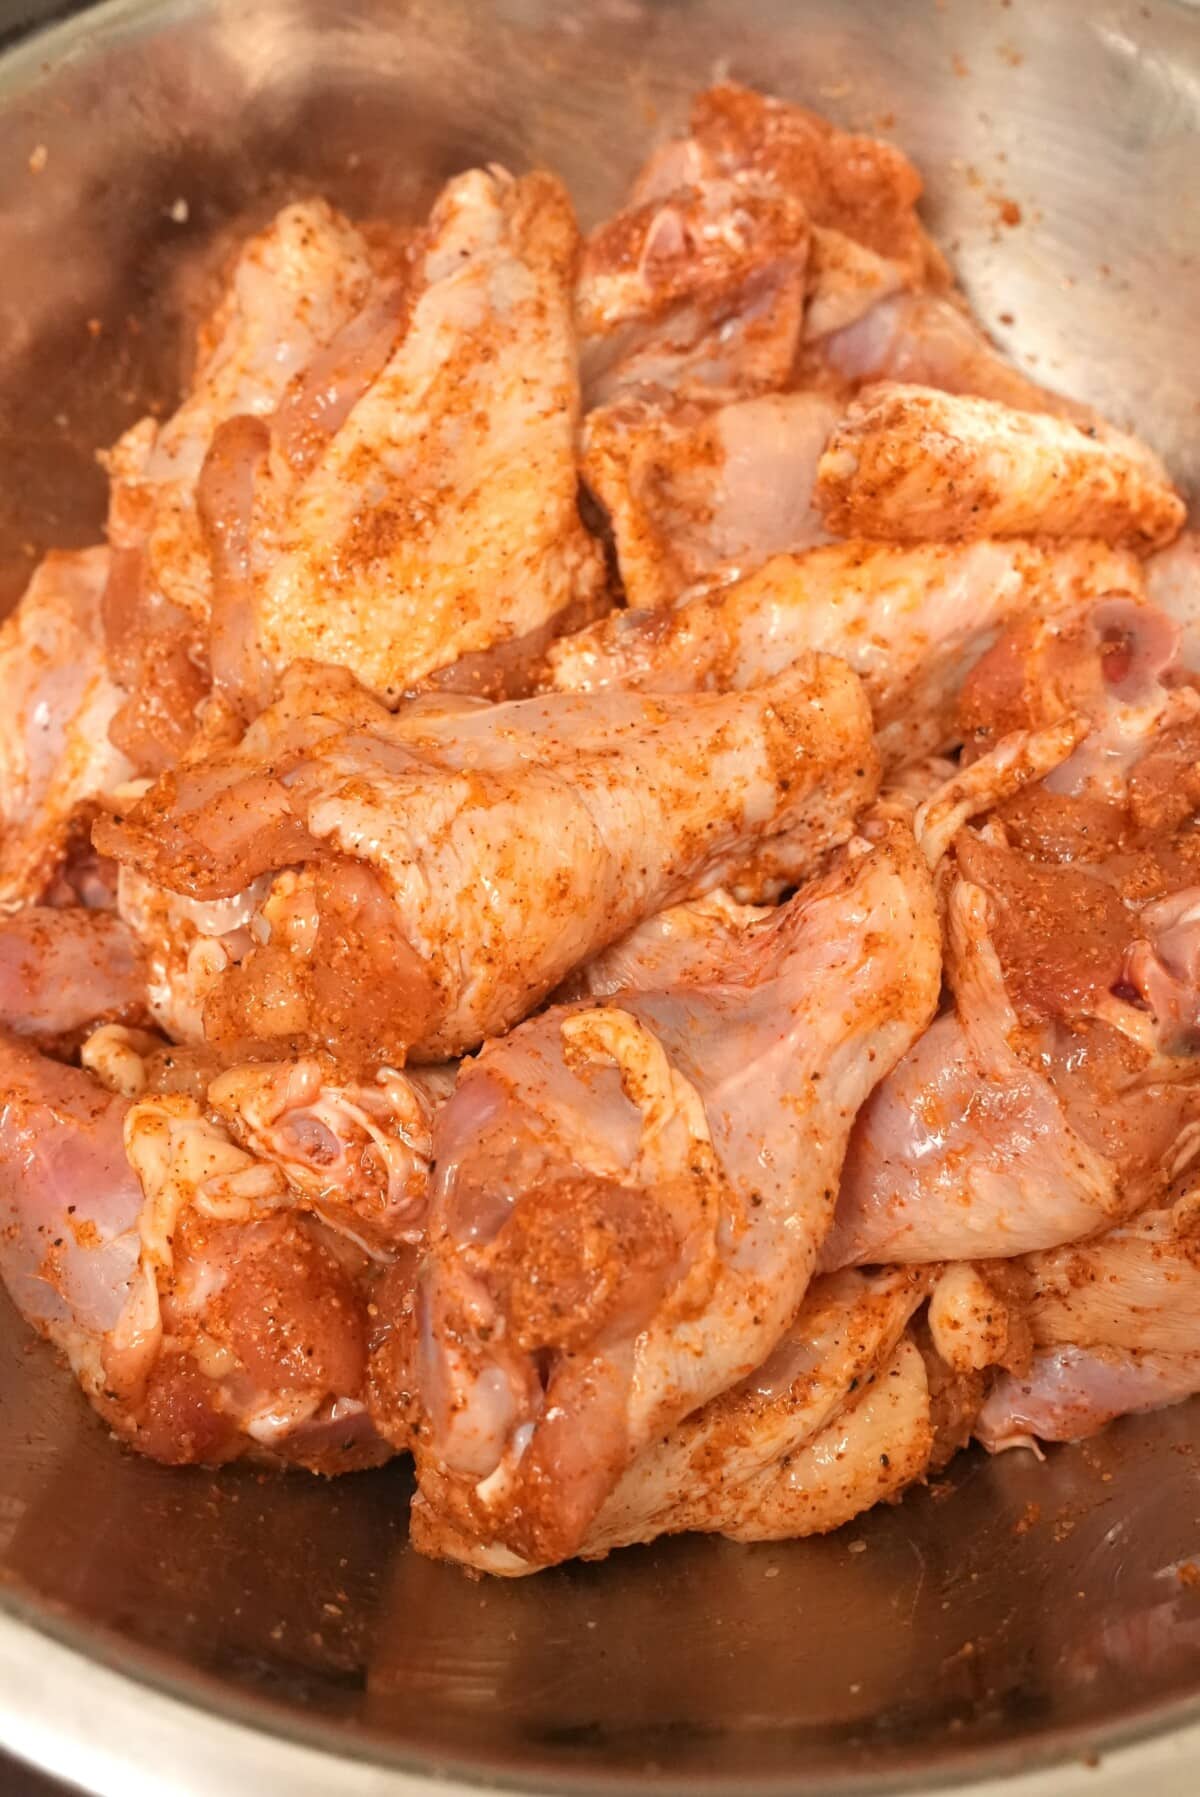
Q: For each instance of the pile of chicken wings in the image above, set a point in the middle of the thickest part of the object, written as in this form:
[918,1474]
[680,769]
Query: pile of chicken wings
[600,878]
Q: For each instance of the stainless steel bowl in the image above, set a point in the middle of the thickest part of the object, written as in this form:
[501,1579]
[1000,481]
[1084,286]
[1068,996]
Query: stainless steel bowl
[164,1631]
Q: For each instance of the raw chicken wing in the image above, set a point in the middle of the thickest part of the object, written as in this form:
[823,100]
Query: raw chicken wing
[911,622]
[201,1316]
[1116,1321]
[1070,1393]
[698,292]
[966,1150]
[1058,1094]
[740,1465]
[755,1463]
[294,286]
[860,194]
[911,463]
[441,520]
[444,869]
[609,1246]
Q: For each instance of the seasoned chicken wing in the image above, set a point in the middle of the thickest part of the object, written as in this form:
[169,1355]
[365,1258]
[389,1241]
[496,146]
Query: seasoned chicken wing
[859,192]
[1058,1094]
[202,1315]
[911,463]
[1137,1286]
[698,292]
[609,1246]
[1115,1323]
[911,622]
[744,1465]
[412,884]
[753,163]
[777,1455]
[764,226]
[56,759]
[876,1447]
[294,286]
[440,521]
[967,1150]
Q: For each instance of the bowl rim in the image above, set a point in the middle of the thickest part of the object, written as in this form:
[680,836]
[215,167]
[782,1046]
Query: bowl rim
[82,1704]
[85,1705]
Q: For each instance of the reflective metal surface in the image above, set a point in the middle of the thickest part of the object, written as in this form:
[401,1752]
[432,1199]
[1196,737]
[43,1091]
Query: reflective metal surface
[1015,1614]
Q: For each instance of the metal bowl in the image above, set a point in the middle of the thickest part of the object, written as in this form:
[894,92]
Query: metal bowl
[179,1631]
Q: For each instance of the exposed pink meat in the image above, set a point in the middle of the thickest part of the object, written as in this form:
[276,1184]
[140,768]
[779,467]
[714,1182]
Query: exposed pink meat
[69,1245]
[61,970]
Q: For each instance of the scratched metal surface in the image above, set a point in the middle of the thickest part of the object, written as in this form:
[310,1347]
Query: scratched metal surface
[1018,1611]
